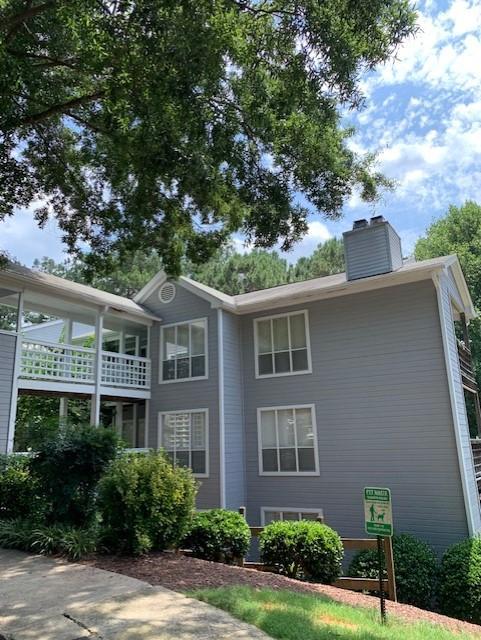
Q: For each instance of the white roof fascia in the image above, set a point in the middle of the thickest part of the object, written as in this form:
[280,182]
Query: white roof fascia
[150,287]
[469,308]
[72,291]
[413,273]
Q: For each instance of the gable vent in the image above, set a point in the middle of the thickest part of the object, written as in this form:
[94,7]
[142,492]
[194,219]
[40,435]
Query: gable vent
[167,292]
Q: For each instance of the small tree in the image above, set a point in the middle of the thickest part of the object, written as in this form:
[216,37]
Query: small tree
[145,503]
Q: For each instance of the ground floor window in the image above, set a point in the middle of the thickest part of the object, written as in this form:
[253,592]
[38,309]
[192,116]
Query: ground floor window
[184,436]
[131,424]
[270,514]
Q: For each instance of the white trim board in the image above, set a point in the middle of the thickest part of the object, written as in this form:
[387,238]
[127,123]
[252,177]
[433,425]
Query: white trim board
[468,479]
[220,351]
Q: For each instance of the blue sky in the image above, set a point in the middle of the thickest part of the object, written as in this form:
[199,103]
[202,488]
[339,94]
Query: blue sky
[422,116]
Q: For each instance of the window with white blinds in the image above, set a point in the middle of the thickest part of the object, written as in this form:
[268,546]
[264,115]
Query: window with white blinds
[184,437]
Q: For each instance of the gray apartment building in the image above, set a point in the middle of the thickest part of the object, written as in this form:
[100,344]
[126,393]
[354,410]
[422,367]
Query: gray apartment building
[287,401]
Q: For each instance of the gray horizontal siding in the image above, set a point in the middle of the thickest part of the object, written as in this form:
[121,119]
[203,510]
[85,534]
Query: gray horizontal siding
[7,360]
[196,394]
[383,412]
[367,252]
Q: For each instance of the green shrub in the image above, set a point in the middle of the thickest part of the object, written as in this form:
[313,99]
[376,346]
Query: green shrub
[219,535]
[459,591]
[68,467]
[415,568]
[20,495]
[47,539]
[305,549]
[145,503]
[16,534]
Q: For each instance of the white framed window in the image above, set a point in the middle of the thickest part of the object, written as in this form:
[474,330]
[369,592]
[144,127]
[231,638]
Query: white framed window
[287,439]
[271,514]
[183,351]
[282,345]
[184,435]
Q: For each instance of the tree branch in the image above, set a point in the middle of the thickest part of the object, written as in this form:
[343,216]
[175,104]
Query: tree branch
[49,61]
[86,123]
[30,11]
[64,107]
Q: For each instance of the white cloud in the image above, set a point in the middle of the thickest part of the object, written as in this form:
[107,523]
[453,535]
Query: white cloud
[318,232]
[21,237]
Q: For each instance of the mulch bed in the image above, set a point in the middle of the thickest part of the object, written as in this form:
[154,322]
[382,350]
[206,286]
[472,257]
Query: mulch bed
[182,573]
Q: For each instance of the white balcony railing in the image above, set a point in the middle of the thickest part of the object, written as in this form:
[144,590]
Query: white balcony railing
[68,363]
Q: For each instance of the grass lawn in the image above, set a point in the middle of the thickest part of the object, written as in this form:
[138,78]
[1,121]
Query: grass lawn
[293,616]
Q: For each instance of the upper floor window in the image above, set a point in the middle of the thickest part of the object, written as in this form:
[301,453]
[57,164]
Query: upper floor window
[184,351]
[287,441]
[184,437]
[282,345]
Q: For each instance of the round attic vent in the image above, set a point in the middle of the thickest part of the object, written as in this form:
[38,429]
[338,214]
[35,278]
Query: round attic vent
[167,292]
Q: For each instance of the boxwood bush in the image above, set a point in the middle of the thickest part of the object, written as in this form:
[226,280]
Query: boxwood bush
[304,549]
[415,567]
[459,590]
[218,535]
[145,503]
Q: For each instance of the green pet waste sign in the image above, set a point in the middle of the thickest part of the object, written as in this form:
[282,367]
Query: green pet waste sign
[378,511]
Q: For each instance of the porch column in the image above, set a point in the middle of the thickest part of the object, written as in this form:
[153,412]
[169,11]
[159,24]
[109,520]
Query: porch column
[16,373]
[95,402]
[63,409]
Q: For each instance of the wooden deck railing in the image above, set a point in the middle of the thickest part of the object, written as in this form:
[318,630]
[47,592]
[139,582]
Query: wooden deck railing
[346,582]
[476,447]
[466,366]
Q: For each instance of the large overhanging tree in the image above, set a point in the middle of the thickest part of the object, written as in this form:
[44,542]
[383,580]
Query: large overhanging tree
[170,124]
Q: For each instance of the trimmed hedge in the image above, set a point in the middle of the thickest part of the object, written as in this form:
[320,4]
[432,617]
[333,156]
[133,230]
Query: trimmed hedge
[145,503]
[304,549]
[459,590]
[415,566]
[219,535]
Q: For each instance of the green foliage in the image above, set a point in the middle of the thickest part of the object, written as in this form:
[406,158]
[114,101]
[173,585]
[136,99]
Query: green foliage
[16,534]
[173,124]
[26,535]
[459,232]
[302,549]
[145,503]
[415,566]
[38,420]
[326,260]
[68,467]
[459,591]
[219,535]
[235,273]
[20,494]
[287,615]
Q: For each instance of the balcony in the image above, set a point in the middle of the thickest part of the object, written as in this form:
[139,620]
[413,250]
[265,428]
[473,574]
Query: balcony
[466,366]
[51,366]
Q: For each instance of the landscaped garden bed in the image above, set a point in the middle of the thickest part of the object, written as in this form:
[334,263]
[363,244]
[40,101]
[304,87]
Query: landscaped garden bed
[186,574]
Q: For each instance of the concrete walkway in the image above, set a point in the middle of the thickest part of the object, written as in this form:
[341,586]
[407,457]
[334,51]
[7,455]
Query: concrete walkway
[46,599]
